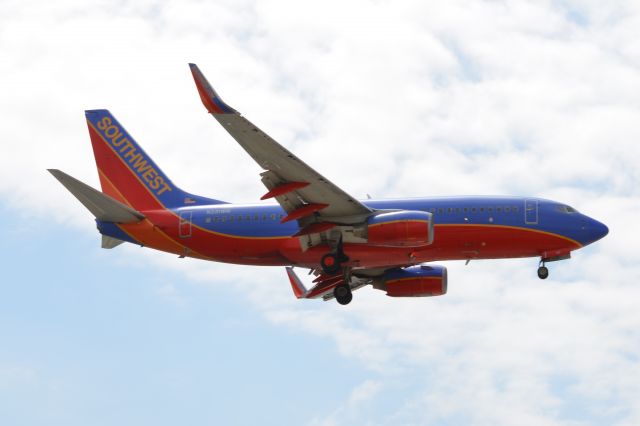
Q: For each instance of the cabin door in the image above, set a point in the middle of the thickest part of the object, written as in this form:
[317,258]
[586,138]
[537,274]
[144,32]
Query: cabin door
[531,211]
[184,228]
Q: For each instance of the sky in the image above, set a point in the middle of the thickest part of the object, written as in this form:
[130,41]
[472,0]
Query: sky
[391,99]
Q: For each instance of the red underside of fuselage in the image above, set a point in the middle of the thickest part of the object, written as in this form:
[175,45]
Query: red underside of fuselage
[451,242]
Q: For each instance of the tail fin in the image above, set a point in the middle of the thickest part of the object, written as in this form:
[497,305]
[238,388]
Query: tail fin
[127,173]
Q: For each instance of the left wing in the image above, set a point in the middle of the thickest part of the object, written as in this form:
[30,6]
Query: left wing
[303,193]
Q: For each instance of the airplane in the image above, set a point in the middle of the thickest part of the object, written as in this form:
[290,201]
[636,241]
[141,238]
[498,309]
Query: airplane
[345,243]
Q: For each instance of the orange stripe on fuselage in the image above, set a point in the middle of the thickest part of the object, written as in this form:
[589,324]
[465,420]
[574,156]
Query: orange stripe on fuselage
[144,231]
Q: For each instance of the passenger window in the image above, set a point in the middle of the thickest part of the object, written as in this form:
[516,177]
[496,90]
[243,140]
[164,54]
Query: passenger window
[457,209]
[449,210]
[264,217]
[248,217]
[256,217]
[507,210]
[498,209]
[490,209]
[208,220]
[440,211]
[515,210]
[223,219]
[481,209]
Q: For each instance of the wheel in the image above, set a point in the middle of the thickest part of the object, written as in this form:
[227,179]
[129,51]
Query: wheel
[330,264]
[346,300]
[343,294]
[543,272]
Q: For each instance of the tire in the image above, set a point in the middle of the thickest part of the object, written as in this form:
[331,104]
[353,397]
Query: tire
[543,272]
[343,294]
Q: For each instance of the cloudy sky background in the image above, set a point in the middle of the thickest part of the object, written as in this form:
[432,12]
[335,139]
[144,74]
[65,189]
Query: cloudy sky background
[392,99]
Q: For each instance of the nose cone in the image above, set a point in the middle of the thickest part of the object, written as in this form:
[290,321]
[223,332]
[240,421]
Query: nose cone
[595,230]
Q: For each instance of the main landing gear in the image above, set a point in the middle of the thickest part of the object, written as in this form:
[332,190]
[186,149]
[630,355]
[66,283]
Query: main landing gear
[331,264]
[543,271]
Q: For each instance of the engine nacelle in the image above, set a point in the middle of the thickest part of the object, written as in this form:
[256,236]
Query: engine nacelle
[414,281]
[405,228]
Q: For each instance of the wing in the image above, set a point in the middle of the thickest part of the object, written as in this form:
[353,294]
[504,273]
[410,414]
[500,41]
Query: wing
[303,193]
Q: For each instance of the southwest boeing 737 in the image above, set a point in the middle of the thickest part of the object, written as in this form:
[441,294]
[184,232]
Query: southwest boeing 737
[345,242]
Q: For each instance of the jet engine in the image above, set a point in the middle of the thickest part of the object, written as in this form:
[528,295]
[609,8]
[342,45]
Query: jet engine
[405,228]
[413,281]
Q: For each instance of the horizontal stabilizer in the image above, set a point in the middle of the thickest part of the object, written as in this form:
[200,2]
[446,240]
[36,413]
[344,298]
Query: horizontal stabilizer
[299,290]
[110,242]
[102,206]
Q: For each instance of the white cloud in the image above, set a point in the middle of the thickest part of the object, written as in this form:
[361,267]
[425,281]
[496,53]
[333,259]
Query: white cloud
[171,294]
[352,410]
[408,99]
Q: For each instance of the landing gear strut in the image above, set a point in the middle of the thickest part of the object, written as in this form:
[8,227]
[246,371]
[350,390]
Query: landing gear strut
[331,264]
[543,271]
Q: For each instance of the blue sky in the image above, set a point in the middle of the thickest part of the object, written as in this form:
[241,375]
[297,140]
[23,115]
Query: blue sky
[419,98]
[88,341]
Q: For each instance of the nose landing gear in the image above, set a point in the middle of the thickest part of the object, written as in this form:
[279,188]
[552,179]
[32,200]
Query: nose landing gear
[543,272]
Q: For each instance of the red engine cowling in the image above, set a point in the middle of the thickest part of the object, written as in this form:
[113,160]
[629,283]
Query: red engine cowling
[414,281]
[406,228]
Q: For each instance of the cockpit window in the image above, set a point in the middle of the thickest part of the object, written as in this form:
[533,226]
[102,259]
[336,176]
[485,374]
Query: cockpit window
[566,209]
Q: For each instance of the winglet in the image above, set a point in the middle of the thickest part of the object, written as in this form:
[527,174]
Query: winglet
[299,290]
[209,97]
